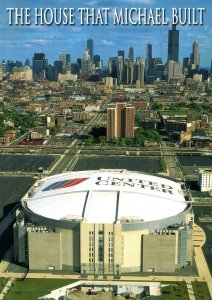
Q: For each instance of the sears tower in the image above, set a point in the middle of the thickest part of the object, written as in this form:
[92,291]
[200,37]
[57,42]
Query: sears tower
[173,44]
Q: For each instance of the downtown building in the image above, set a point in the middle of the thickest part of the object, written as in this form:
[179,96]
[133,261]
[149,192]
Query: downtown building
[104,222]
[120,121]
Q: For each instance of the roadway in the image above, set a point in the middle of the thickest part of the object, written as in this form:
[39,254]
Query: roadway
[72,151]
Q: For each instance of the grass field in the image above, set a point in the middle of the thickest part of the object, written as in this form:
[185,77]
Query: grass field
[173,292]
[31,289]
[25,163]
[3,282]
[142,164]
[201,291]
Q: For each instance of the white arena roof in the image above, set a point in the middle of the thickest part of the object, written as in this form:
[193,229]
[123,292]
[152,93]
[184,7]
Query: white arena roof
[106,197]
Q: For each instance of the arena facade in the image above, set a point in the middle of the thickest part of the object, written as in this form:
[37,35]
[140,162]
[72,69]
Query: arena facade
[105,222]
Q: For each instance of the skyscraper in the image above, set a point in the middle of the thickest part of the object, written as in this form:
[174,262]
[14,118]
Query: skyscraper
[121,53]
[174,70]
[139,72]
[196,54]
[86,65]
[131,54]
[97,61]
[39,65]
[120,121]
[148,56]
[66,59]
[173,44]
[90,47]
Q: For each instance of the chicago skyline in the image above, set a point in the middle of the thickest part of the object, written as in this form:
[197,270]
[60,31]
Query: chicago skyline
[20,42]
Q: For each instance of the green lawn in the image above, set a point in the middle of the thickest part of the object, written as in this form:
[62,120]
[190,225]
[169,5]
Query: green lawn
[173,292]
[3,282]
[201,291]
[31,289]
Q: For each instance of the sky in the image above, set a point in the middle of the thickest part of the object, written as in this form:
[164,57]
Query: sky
[19,42]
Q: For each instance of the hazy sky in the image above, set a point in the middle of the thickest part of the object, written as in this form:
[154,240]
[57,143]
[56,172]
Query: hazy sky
[20,42]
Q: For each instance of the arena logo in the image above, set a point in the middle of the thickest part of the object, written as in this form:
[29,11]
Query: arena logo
[64,184]
[134,183]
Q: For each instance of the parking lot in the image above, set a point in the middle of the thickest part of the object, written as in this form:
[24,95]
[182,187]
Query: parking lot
[25,163]
[190,164]
[140,164]
[195,160]
[12,189]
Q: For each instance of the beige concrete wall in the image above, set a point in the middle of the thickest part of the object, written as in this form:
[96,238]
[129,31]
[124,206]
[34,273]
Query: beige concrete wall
[67,249]
[131,250]
[158,253]
[44,250]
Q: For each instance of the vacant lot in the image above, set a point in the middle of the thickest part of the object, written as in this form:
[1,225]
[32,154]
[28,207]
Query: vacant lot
[142,164]
[24,163]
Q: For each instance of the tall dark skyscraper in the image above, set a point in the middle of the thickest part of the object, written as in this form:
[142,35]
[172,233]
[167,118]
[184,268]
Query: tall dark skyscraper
[173,44]
[90,47]
[96,60]
[148,56]
[131,54]
[39,65]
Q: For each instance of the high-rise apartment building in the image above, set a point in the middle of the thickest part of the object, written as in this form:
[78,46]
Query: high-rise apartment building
[90,47]
[173,44]
[120,121]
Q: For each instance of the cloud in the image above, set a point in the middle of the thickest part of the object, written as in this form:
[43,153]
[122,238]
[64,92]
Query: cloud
[190,34]
[106,42]
[92,3]
[40,41]
[76,29]
[141,1]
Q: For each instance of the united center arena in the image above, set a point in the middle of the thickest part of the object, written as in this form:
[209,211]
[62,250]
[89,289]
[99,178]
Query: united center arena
[105,222]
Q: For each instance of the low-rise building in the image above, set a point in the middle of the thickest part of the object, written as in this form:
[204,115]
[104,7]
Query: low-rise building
[205,180]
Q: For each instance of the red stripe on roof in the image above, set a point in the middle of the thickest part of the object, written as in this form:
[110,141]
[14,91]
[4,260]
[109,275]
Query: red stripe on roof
[72,182]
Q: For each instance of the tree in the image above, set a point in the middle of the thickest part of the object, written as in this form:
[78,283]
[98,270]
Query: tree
[89,140]
[102,140]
